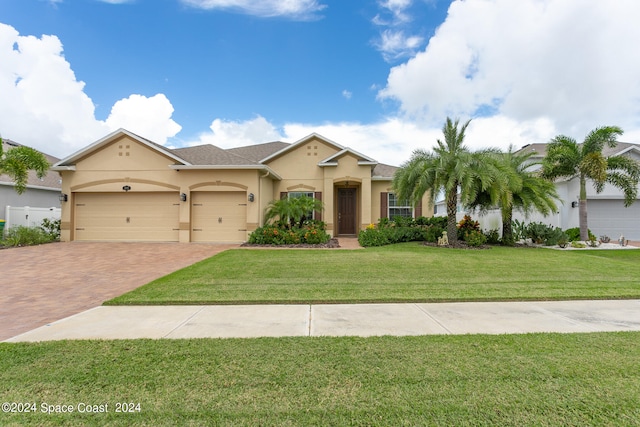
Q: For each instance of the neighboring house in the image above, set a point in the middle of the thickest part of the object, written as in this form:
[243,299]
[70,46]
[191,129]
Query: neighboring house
[606,212]
[40,193]
[126,188]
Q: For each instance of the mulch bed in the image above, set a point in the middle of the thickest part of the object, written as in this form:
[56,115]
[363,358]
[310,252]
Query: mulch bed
[331,244]
[460,244]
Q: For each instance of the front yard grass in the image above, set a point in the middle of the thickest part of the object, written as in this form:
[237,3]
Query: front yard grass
[467,380]
[407,272]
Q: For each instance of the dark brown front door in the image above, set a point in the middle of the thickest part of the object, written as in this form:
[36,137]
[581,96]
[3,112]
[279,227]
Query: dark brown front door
[346,211]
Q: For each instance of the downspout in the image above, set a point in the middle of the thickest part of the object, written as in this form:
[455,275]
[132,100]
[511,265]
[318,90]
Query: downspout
[261,214]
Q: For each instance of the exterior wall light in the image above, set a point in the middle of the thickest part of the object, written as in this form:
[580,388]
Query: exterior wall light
[183,197]
[251,197]
[574,204]
[126,188]
[63,197]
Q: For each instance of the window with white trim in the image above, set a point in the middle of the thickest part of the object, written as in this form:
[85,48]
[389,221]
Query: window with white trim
[399,207]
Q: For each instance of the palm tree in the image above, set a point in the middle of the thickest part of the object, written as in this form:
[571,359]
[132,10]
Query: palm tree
[450,166]
[567,159]
[292,211]
[525,190]
[18,161]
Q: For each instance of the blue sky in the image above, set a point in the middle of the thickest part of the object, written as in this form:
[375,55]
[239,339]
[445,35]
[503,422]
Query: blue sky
[377,76]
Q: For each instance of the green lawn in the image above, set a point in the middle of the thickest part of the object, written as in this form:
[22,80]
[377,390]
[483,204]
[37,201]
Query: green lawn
[472,380]
[396,273]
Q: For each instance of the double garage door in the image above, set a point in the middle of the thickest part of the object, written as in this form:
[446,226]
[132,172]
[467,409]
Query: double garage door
[610,217]
[155,217]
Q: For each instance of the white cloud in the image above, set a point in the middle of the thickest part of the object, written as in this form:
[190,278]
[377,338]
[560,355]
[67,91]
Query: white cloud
[395,44]
[147,117]
[566,61]
[294,9]
[229,133]
[347,94]
[43,104]
[397,9]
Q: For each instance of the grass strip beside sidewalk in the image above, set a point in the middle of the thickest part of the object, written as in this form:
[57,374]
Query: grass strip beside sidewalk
[535,379]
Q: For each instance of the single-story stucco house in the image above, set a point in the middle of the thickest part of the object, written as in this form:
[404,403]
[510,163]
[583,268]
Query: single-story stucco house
[126,188]
[606,212]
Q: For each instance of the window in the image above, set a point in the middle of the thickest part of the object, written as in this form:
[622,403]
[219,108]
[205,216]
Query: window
[399,207]
[309,194]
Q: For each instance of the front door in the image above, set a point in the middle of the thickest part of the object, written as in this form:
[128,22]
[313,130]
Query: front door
[346,211]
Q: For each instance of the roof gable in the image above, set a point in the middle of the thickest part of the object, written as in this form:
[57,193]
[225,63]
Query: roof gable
[331,160]
[361,158]
[70,161]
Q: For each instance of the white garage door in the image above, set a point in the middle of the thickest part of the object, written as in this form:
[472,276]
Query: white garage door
[218,216]
[610,217]
[140,217]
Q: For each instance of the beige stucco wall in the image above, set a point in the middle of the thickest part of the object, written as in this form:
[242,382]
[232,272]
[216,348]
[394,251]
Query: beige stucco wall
[128,162]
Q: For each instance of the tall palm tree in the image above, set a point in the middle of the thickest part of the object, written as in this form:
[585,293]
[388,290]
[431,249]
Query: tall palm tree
[451,166]
[567,159]
[18,161]
[525,190]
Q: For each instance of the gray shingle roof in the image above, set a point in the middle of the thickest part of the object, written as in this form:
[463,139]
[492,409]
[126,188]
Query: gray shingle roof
[211,155]
[259,151]
[50,180]
[541,149]
[383,171]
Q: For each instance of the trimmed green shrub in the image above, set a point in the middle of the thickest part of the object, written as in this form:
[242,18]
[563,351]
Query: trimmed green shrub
[403,221]
[544,234]
[432,233]
[312,232]
[373,237]
[475,238]
[573,234]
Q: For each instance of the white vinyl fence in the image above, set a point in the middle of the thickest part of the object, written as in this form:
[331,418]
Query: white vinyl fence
[28,216]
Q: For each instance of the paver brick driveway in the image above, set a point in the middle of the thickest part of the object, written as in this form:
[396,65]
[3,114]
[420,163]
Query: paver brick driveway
[42,284]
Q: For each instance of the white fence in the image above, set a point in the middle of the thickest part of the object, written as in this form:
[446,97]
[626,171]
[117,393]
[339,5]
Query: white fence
[28,216]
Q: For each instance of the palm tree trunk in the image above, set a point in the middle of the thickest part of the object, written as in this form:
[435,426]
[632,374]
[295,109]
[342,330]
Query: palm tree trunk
[584,228]
[507,230]
[452,209]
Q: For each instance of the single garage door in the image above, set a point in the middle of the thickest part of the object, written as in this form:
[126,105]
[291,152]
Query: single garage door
[140,217]
[218,216]
[610,217]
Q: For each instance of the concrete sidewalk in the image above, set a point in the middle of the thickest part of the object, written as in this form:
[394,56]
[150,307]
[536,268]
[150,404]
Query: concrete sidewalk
[248,321]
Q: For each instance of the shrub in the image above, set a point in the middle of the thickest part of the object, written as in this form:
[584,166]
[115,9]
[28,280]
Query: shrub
[493,236]
[26,236]
[52,228]
[432,233]
[312,232]
[574,234]
[372,237]
[467,225]
[403,221]
[555,237]
[519,231]
[475,238]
